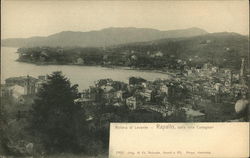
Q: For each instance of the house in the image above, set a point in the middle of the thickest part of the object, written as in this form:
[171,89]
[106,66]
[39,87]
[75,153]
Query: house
[146,94]
[118,95]
[38,85]
[217,86]
[144,84]
[179,61]
[189,72]
[42,77]
[207,66]
[44,54]
[105,57]
[164,89]
[19,80]
[28,82]
[131,103]
[236,77]
[79,61]
[134,57]
[17,92]
[157,54]
[227,71]
[198,70]
[23,54]
[84,101]
[215,69]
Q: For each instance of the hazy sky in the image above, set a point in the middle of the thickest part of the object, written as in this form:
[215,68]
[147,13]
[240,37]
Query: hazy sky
[42,18]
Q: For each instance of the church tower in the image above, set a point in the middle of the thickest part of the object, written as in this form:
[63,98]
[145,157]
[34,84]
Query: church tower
[242,72]
[27,85]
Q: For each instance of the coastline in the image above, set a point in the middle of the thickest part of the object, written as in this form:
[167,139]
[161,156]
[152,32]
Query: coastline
[103,66]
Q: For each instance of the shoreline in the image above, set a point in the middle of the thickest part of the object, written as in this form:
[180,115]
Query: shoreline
[103,66]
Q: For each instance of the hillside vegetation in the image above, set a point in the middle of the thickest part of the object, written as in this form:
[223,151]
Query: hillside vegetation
[221,49]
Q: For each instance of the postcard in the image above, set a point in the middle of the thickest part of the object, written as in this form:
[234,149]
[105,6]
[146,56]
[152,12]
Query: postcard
[124,79]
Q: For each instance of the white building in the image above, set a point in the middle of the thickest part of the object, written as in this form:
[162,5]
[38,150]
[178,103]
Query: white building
[17,91]
[131,103]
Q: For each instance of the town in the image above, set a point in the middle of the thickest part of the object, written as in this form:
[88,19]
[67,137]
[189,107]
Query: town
[204,93]
[197,94]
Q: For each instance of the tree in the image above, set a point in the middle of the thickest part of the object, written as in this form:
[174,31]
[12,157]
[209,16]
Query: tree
[4,149]
[56,118]
[136,80]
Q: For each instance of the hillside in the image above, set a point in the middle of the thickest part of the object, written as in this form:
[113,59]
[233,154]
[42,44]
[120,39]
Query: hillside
[104,37]
[221,49]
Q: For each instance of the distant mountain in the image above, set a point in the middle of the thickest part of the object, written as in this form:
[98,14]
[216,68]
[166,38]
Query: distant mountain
[104,37]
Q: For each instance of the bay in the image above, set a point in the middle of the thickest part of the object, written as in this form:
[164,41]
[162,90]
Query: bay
[84,76]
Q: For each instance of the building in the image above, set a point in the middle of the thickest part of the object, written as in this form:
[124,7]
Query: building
[21,86]
[42,77]
[28,82]
[79,61]
[134,57]
[146,95]
[190,72]
[215,69]
[156,54]
[118,95]
[15,91]
[217,94]
[131,103]
[242,72]
[207,66]
[144,84]
[164,89]
[229,77]
[84,101]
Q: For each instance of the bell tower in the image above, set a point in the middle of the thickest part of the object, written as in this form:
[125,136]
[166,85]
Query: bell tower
[242,72]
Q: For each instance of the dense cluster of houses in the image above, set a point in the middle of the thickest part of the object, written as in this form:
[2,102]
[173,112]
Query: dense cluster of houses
[210,81]
[161,96]
[191,91]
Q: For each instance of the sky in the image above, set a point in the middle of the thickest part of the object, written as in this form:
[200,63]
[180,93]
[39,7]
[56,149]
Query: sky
[43,18]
